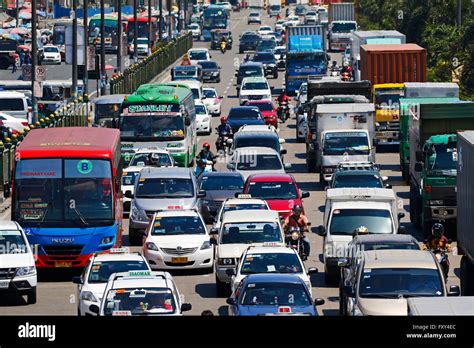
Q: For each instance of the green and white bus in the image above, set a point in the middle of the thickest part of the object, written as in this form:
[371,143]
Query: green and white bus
[162,116]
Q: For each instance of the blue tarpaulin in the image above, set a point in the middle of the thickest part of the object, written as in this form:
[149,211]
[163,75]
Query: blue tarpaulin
[303,43]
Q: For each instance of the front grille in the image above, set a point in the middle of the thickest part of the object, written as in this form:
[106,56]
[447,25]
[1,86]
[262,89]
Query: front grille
[7,273]
[443,191]
[255,97]
[170,264]
[53,250]
[174,251]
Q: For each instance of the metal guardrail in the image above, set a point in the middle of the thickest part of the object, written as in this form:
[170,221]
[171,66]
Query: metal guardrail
[74,114]
[152,65]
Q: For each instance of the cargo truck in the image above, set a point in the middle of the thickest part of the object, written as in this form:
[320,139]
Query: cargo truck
[305,55]
[417,93]
[465,197]
[388,67]
[274,7]
[342,24]
[433,169]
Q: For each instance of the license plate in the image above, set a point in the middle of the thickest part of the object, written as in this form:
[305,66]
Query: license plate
[179,259]
[4,284]
[63,264]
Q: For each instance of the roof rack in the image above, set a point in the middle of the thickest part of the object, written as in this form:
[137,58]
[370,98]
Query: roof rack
[357,165]
[139,274]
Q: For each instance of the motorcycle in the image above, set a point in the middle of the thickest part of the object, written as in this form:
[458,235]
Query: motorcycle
[283,111]
[441,255]
[224,143]
[294,239]
[209,167]
[334,73]
[223,46]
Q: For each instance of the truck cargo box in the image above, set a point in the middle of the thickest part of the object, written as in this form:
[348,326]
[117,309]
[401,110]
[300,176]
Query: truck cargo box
[318,87]
[341,12]
[431,90]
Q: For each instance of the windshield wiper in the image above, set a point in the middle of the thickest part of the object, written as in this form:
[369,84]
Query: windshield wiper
[80,216]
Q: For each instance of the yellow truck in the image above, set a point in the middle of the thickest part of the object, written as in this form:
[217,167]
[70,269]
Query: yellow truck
[386,98]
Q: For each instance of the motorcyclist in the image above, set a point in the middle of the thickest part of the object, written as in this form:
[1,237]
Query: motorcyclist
[437,240]
[223,42]
[297,219]
[282,97]
[206,153]
[223,129]
[334,66]
[201,167]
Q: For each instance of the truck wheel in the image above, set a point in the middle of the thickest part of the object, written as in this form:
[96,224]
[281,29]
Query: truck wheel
[275,75]
[32,296]
[135,237]
[321,180]
[221,288]
[330,279]
[311,164]
[467,277]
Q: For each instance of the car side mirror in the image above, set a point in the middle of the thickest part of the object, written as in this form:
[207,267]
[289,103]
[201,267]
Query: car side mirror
[236,74]
[214,231]
[77,280]
[312,270]
[419,156]
[454,290]
[321,231]
[418,167]
[201,194]
[287,165]
[186,307]
[230,272]
[304,194]
[402,230]
[401,216]
[283,151]
[281,141]
[387,186]
[129,194]
[221,97]
[231,301]
[319,302]
[94,309]
[384,178]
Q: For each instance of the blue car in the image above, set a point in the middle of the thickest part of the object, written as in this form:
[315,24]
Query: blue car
[273,294]
[244,115]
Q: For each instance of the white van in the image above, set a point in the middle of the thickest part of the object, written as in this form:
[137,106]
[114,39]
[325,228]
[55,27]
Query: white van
[16,104]
[195,86]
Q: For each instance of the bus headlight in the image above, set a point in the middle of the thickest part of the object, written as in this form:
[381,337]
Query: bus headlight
[107,240]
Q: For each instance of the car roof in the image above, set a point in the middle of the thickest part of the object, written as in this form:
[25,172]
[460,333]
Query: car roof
[242,108]
[384,238]
[166,172]
[177,212]
[272,277]
[133,169]
[253,133]
[153,149]
[158,279]
[255,79]
[258,150]
[119,257]
[251,215]
[399,259]
[10,94]
[198,49]
[271,178]
[9,225]
[258,127]
[269,250]
[221,174]
[207,87]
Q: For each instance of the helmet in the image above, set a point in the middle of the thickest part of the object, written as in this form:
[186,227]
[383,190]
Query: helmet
[437,230]
[223,119]
[361,230]
[297,209]
[206,146]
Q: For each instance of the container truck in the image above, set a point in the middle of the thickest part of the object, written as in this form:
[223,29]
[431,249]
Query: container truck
[465,197]
[342,24]
[433,162]
[305,55]
[417,93]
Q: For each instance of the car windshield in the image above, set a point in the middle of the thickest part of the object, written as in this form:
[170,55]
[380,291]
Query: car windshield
[12,242]
[50,50]
[251,232]
[444,158]
[185,71]
[176,225]
[208,64]
[340,143]
[346,221]
[161,159]
[244,114]
[251,71]
[263,107]
[310,14]
[222,183]
[253,14]
[343,27]
[140,301]
[164,188]
[254,85]
[266,45]
[400,282]
[128,178]
[271,263]
[273,190]
[142,41]
[357,180]
[101,270]
[200,109]
[245,206]
[275,294]
[253,161]
[247,141]
[264,57]
[209,93]
[198,55]
[266,28]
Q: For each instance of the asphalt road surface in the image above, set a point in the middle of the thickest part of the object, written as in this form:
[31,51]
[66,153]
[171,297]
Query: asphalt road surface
[57,294]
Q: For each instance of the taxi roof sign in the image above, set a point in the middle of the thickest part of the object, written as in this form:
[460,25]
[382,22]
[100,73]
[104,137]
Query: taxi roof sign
[139,274]
[125,250]
[243,195]
[271,244]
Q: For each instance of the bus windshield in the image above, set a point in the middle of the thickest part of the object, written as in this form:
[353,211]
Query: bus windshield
[142,29]
[59,36]
[64,192]
[110,27]
[151,127]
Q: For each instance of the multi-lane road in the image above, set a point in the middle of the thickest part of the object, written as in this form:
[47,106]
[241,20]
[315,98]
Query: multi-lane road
[57,294]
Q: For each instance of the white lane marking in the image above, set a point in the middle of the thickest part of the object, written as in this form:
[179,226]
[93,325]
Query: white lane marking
[91,94]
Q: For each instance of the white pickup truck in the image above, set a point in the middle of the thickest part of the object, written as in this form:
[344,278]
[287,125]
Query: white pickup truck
[350,211]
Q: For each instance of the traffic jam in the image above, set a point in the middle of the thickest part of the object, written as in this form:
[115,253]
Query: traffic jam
[290,163]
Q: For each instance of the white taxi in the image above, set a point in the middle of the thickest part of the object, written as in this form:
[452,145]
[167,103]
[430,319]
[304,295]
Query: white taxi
[178,239]
[269,259]
[141,293]
[91,284]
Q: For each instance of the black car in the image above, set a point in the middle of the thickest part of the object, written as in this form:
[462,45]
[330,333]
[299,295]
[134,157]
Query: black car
[210,70]
[249,69]
[266,44]
[244,115]
[269,63]
[217,186]
[248,41]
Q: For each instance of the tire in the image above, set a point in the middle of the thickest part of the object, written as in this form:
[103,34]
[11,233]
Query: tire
[78,312]
[135,237]
[321,180]
[32,296]
[311,165]
[240,51]
[467,277]
[275,75]
[222,289]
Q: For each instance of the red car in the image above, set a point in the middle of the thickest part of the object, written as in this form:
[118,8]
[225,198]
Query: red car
[267,110]
[279,190]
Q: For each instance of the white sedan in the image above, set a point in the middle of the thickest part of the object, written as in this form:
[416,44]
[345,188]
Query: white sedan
[212,101]
[178,239]
[270,259]
[195,29]
[264,30]
[51,54]
[197,54]
[203,118]
[14,123]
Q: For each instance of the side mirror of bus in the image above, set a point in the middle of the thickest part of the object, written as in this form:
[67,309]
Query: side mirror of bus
[129,194]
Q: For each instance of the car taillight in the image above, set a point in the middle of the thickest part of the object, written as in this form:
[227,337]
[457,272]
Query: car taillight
[30,109]
[284,309]
[25,123]
[427,188]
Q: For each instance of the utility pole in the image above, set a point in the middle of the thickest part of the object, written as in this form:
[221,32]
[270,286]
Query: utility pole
[135,30]
[85,89]
[34,59]
[17,13]
[170,35]
[160,29]
[103,85]
[149,27]
[119,35]
[179,16]
[458,12]
[74,49]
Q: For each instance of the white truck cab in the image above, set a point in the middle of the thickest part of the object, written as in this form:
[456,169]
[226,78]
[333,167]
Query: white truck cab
[348,210]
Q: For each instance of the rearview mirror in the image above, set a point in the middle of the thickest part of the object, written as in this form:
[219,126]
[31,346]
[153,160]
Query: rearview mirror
[312,270]
[454,290]
[401,216]
[283,152]
[321,231]
[231,301]
[129,194]
[201,194]
[319,302]
[77,280]
[287,165]
[186,307]
[304,194]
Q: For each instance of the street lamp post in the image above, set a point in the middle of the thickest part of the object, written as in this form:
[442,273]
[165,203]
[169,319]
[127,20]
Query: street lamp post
[149,27]
[74,49]
[119,36]
[135,31]
[103,85]
[160,29]
[85,78]
[34,59]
